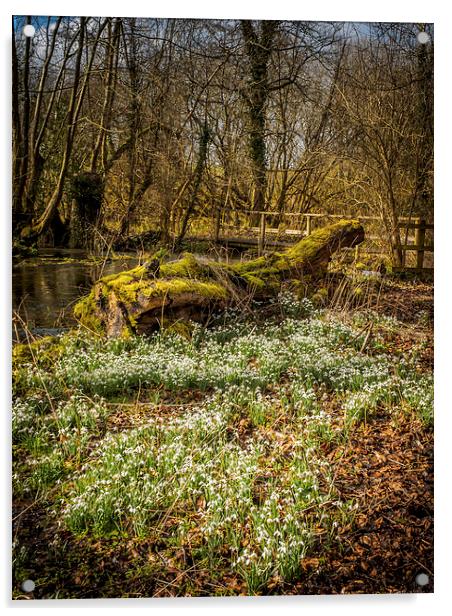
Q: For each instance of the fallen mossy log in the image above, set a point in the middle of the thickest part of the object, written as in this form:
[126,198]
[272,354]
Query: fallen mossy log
[156,294]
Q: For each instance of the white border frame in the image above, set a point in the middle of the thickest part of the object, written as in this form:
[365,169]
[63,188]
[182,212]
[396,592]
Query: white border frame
[327,10]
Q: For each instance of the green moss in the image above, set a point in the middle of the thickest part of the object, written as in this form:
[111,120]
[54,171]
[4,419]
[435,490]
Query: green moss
[263,273]
[127,292]
[134,290]
[188,266]
[130,293]
[181,328]
[255,281]
[125,285]
[183,276]
[307,247]
[85,311]
[128,329]
[177,286]
[269,269]
[266,278]
[244,267]
[43,351]
[135,295]
[114,280]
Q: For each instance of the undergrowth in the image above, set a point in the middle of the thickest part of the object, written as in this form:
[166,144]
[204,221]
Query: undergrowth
[237,477]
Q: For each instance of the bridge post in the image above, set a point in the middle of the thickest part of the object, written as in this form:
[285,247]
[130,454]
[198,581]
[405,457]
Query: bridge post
[419,240]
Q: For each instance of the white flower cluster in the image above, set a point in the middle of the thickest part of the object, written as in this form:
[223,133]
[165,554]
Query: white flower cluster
[291,306]
[53,435]
[242,466]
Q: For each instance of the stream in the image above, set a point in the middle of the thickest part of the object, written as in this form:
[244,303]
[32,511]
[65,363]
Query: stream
[45,288]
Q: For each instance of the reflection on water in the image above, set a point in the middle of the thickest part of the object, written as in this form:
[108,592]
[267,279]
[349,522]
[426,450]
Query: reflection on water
[45,289]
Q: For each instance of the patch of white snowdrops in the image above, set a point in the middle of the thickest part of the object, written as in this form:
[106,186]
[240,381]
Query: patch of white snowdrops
[256,497]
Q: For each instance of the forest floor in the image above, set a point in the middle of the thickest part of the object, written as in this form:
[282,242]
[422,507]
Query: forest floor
[285,455]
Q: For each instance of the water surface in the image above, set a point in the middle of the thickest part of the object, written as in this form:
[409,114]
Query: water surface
[45,288]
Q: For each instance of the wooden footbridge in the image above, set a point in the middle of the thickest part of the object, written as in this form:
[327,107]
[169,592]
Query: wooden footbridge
[264,237]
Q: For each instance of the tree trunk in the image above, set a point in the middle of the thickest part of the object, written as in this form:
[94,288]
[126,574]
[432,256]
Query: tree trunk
[79,87]
[99,156]
[45,220]
[200,164]
[157,294]
[21,124]
[424,187]
[17,135]
[36,160]
[258,49]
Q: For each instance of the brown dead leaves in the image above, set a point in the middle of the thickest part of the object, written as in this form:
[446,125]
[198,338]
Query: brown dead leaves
[387,470]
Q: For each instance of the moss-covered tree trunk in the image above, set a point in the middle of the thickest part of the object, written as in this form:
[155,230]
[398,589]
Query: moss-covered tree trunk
[258,45]
[155,294]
